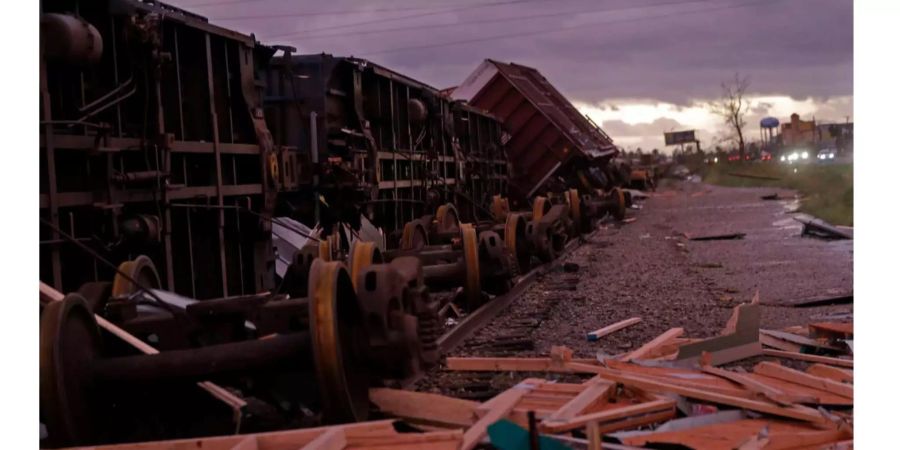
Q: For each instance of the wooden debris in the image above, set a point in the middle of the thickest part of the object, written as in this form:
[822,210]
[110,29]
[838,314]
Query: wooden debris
[810,358]
[730,435]
[793,412]
[778,344]
[653,344]
[422,407]
[595,394]
[333,439]
[477,364]
[795,376]
[799,340]
[494,410]
[609,329]
[660,409]
[834,373]
[758,387]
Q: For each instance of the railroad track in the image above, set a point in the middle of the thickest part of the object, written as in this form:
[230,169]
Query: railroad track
[482,316]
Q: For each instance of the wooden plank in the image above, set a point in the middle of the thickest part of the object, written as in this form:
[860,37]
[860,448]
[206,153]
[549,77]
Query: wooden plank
[653,344]
[720,436]
[431,440]
[834,373]
[332,439]
[273,440]
[636,421]
[794,412]
[779,344]
[795,376]
[248,443]
[821,397]
[424,407]
[594,394]
[609,329]
[810,358]
[476,364]
[800,340]
[762,389]
[497,408]
[654,406]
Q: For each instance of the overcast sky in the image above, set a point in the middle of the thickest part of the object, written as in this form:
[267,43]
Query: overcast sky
[637,67]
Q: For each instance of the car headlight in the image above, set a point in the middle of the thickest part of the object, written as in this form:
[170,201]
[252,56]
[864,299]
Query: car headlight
[783,158]
[716,159]
[804,155]
[831,155]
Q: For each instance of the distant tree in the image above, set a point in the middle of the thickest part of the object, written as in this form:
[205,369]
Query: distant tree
[733,108]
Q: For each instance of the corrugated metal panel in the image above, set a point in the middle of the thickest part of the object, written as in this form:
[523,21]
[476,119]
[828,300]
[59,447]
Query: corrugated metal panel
[546,130]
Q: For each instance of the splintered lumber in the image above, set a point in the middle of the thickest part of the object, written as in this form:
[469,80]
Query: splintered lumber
[810,358]
[422,407]
[793,412]
[654,344]
[273,440]
[494,410]
[594,394]
[661,407]
[49,294]
[730,435]
[800,340]
[778,344]
[758,387]
[333,439]
[834,373]
[476,364]
[609,329]
[795,376]
[741,339]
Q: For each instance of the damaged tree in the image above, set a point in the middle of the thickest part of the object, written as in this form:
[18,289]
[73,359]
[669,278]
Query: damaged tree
[733,107]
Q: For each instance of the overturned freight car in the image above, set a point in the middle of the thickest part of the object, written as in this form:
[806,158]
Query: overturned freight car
[550,141]
[153,142]
[377,143]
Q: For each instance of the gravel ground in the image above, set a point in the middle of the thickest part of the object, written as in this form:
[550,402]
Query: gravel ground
[650,269]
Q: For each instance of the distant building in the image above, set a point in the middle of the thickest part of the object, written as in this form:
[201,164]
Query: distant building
[798,132]
[835,135]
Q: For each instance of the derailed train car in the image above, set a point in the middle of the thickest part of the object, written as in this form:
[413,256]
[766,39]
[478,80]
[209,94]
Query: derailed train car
[378,143]
[153,142]
[170,151]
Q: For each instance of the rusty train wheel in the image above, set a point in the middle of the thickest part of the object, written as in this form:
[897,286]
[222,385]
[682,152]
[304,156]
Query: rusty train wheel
[541,206]
[362,255]
[446,219]
[473,270]
[142,270]
[499,208]
[515,236]
[574,201]
[414,236]
[339,343]
[69,342]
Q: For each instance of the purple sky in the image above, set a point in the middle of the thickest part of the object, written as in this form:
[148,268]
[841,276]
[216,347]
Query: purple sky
[604,54]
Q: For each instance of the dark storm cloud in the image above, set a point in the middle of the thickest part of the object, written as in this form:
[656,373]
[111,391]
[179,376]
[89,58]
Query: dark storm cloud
[798,48]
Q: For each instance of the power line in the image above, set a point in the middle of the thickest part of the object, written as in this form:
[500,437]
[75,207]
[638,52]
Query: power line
[559,29]
[504,19]
[335,13]
[394,19]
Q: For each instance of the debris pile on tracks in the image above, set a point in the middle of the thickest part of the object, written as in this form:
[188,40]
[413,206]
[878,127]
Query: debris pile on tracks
[671,391]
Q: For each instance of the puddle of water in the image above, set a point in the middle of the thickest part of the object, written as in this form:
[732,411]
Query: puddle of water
[788,224]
